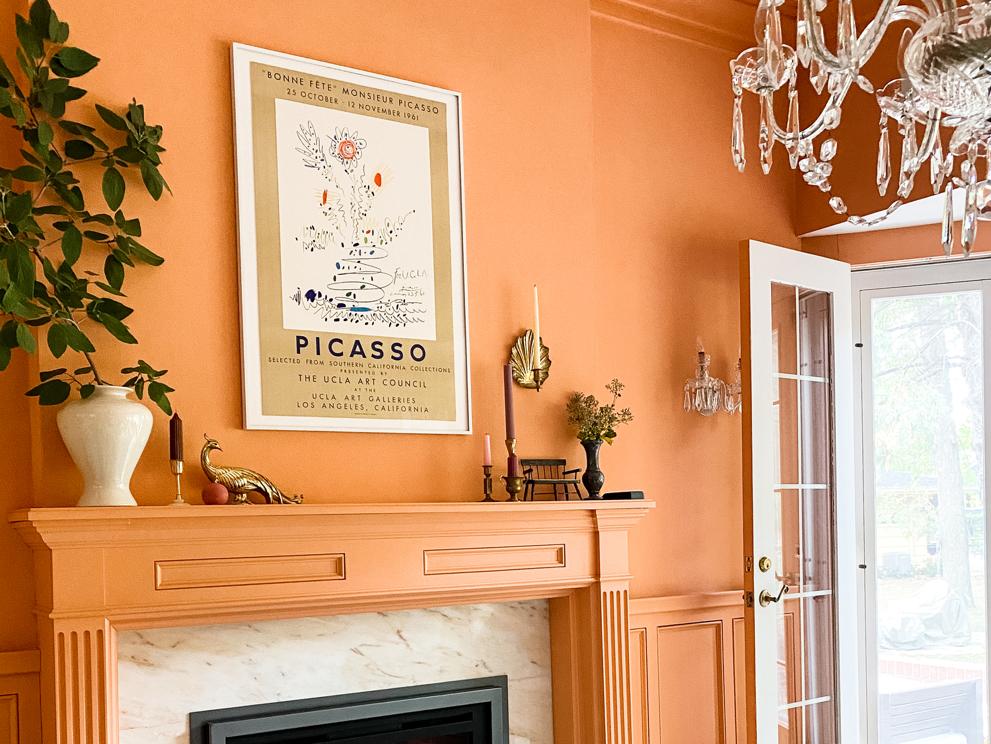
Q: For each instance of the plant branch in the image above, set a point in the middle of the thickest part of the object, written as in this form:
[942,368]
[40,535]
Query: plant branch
[92,366]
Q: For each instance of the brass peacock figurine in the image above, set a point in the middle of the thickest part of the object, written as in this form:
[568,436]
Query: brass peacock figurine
[240,482]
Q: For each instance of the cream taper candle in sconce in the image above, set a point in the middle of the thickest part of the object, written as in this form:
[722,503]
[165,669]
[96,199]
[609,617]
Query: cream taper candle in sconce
[530,359]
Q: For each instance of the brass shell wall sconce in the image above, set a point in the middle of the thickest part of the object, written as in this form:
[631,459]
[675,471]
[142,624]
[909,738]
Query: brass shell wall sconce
[530,368]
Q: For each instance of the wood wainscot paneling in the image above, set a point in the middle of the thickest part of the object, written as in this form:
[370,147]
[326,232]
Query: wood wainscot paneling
[687,671]
[20,711]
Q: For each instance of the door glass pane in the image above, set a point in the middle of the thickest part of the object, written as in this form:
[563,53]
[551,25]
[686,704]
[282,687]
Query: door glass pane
[815,351]
[788,559]
[790,726]
[820,722]
[817,627]
[786,432]
[817,540]
[789,651]
[805,520]
[928,401]
[817,432]
[784,328]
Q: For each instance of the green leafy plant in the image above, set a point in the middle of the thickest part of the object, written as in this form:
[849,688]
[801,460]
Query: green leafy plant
[49,236]
[596,420]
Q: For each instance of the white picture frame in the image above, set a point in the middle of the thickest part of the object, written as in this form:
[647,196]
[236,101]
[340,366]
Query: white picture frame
[370,336]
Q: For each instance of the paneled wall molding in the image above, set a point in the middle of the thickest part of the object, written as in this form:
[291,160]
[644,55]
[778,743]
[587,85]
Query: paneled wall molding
[20,714]
[101,570]
[726,25]
[19,662]
[687,668]
[700,602]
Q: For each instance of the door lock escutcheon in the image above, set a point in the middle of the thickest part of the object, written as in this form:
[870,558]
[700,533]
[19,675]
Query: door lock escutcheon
[764,564]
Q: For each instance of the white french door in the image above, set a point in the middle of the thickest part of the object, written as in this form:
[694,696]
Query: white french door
[924,372]
[800,506]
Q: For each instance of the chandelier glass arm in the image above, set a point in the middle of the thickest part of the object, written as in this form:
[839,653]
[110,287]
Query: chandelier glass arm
[929,139]
[869,40]
[817,43]
[820,124]
[890,11]
[917,15]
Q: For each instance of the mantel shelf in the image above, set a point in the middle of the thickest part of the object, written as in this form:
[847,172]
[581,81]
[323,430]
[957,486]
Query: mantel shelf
[234,511]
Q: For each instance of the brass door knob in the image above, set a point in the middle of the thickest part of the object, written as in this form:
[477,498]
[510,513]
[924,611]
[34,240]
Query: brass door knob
[767,598]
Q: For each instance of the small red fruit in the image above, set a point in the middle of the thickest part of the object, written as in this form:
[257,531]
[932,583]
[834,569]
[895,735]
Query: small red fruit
[215,494]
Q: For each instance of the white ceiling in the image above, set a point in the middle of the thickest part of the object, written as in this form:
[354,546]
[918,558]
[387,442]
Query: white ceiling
[925,211]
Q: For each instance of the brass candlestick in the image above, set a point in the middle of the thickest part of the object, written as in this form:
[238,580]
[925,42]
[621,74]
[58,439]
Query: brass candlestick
[177,472]
[530,367]
[513,480]
[487,483]
[514,485]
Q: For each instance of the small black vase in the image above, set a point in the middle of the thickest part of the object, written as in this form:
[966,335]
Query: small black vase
[593,478]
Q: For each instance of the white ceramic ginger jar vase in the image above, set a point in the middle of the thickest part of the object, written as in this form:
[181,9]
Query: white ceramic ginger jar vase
[105,434]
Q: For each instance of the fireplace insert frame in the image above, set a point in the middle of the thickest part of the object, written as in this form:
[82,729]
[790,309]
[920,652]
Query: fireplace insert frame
[225,725]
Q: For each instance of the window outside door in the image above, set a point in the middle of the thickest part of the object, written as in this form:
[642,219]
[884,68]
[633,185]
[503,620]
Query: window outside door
[923,373]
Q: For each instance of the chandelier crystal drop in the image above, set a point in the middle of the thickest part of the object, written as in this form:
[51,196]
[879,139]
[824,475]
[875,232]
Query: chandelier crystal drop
[939,107]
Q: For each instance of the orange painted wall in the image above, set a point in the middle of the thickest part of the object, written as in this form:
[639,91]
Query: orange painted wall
[671,212]
[593,166]
[17,629]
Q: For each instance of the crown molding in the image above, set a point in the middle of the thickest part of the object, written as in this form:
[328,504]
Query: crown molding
[726,25]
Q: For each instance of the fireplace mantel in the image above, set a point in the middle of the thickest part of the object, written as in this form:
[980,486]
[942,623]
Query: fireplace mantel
[99,570]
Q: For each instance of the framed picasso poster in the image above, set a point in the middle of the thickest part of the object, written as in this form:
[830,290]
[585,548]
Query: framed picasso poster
[352,258]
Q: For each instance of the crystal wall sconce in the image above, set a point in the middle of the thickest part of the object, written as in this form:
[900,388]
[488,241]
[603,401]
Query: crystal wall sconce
[733,394]
[708,395]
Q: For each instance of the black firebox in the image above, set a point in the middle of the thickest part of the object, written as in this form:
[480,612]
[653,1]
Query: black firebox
[467,712]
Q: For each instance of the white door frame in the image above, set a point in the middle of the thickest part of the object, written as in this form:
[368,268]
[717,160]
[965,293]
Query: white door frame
[761,265]
[898,280]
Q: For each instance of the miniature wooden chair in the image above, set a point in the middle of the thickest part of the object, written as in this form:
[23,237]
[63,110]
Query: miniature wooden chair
[549,473]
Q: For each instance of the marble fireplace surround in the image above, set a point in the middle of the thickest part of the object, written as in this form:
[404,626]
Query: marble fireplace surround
[103,570]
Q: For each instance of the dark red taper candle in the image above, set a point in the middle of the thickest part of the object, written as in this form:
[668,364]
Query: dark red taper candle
[175,437]
[507,382]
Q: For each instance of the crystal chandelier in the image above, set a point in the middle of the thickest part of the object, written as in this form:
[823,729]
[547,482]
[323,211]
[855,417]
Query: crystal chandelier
[944,82]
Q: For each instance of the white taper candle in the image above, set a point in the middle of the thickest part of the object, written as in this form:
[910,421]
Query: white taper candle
[536,325]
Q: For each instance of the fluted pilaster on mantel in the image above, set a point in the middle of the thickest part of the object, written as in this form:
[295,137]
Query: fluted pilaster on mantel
[615,610]
[101,569]
[79,680]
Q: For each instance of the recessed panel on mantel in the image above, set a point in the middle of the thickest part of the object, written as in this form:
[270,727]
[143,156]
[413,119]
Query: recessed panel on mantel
[200,573]
[505,558]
